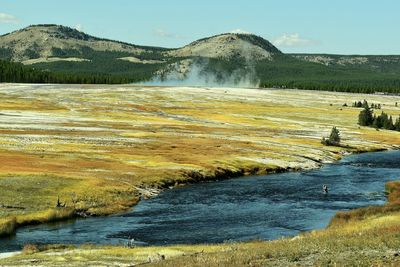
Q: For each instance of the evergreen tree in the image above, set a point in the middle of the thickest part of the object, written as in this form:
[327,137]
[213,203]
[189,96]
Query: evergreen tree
[365,104]
[376,122]
[397,124]
[334,137]
[382,121]
[389,124]
[385,121]
[365,118]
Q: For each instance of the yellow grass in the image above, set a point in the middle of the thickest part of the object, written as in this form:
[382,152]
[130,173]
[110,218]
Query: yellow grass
[94,146]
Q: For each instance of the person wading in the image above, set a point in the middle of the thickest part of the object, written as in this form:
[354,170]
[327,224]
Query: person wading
[325,189]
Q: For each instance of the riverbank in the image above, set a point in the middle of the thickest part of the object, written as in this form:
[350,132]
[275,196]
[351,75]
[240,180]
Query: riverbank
[102,148]
[362,237]
[267,207]
[9,226]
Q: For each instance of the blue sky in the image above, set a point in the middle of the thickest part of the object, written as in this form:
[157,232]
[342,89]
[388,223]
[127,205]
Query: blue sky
[310,26]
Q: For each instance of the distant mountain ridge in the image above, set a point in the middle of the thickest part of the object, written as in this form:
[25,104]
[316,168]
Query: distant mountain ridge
[46,40]
[35,43]
[234,57]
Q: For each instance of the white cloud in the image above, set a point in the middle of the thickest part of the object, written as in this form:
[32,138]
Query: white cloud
[292,40]
[163,33]
[7,18]
[79,27]
[240,31]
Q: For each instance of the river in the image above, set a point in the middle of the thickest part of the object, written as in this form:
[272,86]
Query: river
[253,207]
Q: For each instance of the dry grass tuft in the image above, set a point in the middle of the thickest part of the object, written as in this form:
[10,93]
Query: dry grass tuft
[30,249]
[7,226]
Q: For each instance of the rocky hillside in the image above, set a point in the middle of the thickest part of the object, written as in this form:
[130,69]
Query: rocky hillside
[46,41]
[229,45]
[50,43]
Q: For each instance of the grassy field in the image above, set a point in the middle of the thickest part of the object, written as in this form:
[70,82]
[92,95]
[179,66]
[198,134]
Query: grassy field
[363,238]
[101,148]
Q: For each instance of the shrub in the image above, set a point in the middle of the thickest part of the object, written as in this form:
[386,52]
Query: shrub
[333,139]
[30,249]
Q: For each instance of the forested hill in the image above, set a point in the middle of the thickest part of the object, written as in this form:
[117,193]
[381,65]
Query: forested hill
[59,54]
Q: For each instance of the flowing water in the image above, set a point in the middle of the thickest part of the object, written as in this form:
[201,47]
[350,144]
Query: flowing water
[256,207]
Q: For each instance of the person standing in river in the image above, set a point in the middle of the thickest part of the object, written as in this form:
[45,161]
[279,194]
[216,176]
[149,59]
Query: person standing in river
[325,189]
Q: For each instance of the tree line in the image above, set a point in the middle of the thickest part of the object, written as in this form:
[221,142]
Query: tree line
[18,73]
[359,104]
[382,121]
